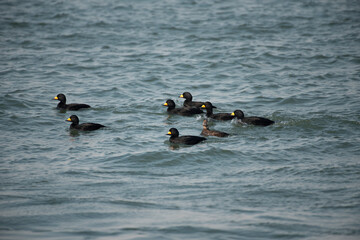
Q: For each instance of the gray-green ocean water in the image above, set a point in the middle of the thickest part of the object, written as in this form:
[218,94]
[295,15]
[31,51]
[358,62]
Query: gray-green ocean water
[296,62]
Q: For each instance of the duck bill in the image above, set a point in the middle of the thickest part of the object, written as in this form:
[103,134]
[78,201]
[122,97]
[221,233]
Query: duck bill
[56,98]
[165,104]
[181,96]
[68,120]
[169,133]
[203,106]
[232,114]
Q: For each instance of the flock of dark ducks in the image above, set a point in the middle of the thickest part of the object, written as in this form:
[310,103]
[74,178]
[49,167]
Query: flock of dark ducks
[190,108]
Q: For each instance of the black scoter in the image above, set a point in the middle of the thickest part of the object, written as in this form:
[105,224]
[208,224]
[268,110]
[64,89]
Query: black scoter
[207,132]
[188,140]
[260,121]
[72,106]
[189,102]
[84,126]
[185,111]
[218,116]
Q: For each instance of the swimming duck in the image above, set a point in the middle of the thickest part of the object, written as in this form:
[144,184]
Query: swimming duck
[260,121]
[188,139]
[84,126]
[185,111]
[218,116]
[73,106]
[188,100]
[207,132]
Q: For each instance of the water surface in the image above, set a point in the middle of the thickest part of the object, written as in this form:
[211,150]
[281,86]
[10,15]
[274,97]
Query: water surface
[295,62]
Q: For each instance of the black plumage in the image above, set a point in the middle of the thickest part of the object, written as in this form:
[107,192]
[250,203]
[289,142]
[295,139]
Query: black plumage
[189,102]
[84,126]
[207,132]
[218,116]
[72,106]
[184,111]
[188,139]
[260,121]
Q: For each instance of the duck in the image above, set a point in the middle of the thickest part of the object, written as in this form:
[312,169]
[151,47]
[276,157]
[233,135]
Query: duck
[259,121]
[188,100]
[185,111]
[207,132]
[84,126]
[218,116]
[73,106]
[187,139]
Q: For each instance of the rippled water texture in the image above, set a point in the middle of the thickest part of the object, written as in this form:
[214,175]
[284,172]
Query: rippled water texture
[295,62]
